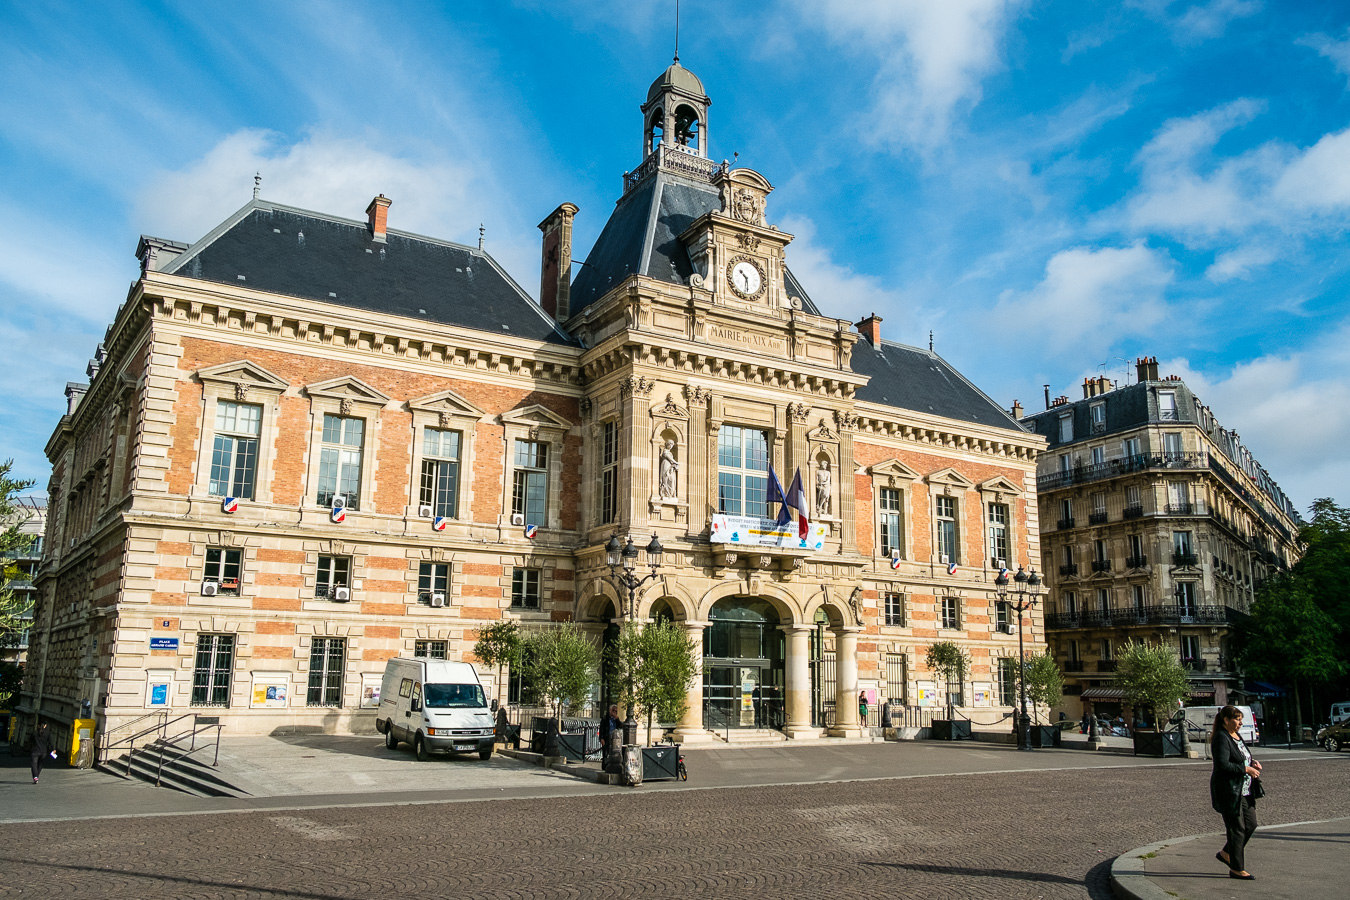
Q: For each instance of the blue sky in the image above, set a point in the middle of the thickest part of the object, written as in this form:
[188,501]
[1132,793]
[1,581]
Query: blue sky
[1051,188]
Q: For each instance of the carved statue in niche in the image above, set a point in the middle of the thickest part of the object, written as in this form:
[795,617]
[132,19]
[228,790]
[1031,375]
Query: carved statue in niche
[667,471]
[824,479]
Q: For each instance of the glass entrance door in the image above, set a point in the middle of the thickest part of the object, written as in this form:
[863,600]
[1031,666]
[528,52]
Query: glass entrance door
[743,666]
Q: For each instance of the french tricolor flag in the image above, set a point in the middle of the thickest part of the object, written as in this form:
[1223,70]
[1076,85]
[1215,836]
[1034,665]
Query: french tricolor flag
[796,498]
[775,495]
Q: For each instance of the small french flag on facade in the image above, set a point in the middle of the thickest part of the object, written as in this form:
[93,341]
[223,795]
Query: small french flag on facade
[895,562]
[531,531]
[339,515]
[951,568]
[1002,571]
[229,504]
[438,523]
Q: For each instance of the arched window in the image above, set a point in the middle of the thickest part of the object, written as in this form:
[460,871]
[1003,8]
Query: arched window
[655,129]
[686,127]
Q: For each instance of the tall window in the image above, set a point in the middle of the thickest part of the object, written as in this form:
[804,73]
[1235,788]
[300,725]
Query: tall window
[1182,546]
[1190,648]
[951,612]
[211,674]
[892,537]
[429,649]
[1073,651]
[1178,497]
[1185,594]
[1065,464]
[742,464]
[1070,603]
[1106,648]
[895,609]
[530,483]
[1139,597]
[1130,448]
[1104,601]
[1133,497]
[1007,681]
[440,471]
[525,588]
[1003,616]
[998,534]
[234,459]
[946,529]
[340,460]
[1099,551]
[224,568]
[609,473]
[1167,406]
[1099,504]
[895,679]
[334,572]
[1137,550]
[1172,445]
[1098,456]
[1066,514]
[432,578]
[1066,427]
[326,656]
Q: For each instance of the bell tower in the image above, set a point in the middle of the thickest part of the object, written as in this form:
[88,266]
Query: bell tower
[675,115]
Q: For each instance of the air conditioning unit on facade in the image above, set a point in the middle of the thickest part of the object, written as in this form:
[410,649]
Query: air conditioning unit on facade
[424,511]
[517,518]
[210,588]
[438,600]
[342,594]
[1006,628]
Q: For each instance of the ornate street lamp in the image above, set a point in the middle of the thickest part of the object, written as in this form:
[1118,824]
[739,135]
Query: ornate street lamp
[1021,599]
[622,560]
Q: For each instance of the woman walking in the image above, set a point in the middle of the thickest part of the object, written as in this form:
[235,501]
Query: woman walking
[1234,788]
[42,748]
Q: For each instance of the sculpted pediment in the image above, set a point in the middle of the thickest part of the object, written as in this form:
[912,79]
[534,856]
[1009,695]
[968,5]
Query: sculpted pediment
[446,403]
[999,485]
[243,372]
[347,388]
[535,416]
[670,410]
[893,470]
[950,478]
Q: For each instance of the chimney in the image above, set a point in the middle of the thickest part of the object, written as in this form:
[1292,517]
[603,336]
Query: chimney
[1047,396]
[1147,368]
[1017,409]
[377,214]
[1089,388]
[870,328]
[555,269]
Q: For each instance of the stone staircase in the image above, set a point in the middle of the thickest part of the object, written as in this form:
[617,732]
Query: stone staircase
[736,736]
[180,771]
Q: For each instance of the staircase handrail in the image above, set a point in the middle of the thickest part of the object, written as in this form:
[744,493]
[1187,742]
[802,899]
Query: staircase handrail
[198,727]
[110,739]
[161,730]
[129,741]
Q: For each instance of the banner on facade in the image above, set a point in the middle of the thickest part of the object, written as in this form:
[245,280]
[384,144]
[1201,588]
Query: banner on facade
[927,694]
[753,531]
[270,690]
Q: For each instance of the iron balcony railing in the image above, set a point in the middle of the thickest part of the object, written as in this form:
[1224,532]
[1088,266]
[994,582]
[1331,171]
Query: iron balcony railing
[1180,509]
[1101,565]
[1065,524]
[1134,512]
[1193,665]
[1097,518]
[1069,569]
[1073,665]
[1106,665]
[1165,614]
[1123,466]
[1136,562]
[1185,559]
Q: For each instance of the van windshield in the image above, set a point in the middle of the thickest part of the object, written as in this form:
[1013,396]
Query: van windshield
[453,696]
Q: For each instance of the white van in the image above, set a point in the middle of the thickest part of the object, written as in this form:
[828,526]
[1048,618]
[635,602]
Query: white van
[1203,716]
[1339,713]
[435,705]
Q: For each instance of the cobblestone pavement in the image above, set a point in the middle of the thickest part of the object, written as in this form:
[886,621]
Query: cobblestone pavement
[1028,834]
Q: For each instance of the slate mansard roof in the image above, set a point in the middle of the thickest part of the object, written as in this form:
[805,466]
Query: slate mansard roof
[924,382]
[297,253]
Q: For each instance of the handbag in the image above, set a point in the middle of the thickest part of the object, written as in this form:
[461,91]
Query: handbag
[1258,789]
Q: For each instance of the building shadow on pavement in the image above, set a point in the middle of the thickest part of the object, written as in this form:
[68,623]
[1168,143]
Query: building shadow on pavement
[160,877]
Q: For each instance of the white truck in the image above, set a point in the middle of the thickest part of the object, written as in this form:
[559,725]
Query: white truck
[1203,716]
[436,706]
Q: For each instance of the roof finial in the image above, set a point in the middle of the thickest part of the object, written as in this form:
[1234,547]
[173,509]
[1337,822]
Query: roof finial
[677,32]
[257,184]
[481,231]
[930,340]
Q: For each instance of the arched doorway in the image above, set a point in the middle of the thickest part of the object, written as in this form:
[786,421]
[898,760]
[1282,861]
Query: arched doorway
[743,660]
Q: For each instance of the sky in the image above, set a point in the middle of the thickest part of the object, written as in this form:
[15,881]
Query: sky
[1051,188]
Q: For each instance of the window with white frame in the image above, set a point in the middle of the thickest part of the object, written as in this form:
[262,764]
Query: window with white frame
[1003,617]
[1137,550]
[609,473]
[529,490]
[1066,513]
[895,678]
[1098,418]
[525,588]
[1167,406]
[212,670]
[333,572]
[892,523]
[895,608]
[1133,497]
[429,649]
[1181,544]
[1139,596]
[440,471]
[1070,603]
[225,568]
[1007,681]
[951,612]
[1106,648]
[234,456]
[946,529]
[326,664]
[1065,464]
[340,460]
[998,534]
[1185,594]
[1066,427]
[1098,456]
[1130,448]
[1103,601]
[742,472]
[432,578]
[1190,648]
[1172,446]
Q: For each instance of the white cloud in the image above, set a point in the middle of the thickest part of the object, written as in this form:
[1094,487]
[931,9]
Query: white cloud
[1200,21]
[1089,299]
[1239,262]
[1319,179]
[1336,51]
[931,58]
[837,289]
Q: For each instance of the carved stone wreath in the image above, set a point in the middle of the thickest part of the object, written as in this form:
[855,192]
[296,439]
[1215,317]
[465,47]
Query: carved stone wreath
[763,277]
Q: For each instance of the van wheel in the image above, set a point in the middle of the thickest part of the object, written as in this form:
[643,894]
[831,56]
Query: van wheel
[485,754]
[390,742]
[420,749]
[1333,744]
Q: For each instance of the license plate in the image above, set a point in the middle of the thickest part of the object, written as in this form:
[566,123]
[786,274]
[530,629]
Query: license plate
[466,746]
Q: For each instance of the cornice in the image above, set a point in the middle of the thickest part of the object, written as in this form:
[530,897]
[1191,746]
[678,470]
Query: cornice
[899,424]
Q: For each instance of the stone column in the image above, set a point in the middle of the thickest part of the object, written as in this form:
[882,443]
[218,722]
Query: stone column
[690,728]
[846,681]
[798,699]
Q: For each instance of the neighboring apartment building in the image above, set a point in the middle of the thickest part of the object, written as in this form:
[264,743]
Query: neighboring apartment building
[32,522]
[312,443]
[1158,525]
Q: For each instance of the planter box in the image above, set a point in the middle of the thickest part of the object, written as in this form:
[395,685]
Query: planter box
[1159,743]
[660,763]
[1046,736]
[951,729]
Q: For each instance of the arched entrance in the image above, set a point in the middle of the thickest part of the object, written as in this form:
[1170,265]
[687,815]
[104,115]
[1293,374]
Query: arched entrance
[743,662]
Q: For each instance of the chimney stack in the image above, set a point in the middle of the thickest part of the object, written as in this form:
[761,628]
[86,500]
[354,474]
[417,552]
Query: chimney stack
[377,214]
[555,270]
[870,328]
[1089,388]
[1017,409]
[1146,367]
[1047,396]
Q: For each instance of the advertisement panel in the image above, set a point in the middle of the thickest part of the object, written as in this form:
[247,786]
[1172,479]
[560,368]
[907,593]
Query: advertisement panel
[752,531]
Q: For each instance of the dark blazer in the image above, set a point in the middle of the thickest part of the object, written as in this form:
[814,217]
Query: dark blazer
[42,742]
[1225,784]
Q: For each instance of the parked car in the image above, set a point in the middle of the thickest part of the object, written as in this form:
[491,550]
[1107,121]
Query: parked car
[434,704]
[1334,737]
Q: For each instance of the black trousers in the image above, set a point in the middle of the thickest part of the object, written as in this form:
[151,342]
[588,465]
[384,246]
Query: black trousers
[36,763]
[1240,827]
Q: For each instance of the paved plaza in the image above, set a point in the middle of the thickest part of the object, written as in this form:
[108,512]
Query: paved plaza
[912,820]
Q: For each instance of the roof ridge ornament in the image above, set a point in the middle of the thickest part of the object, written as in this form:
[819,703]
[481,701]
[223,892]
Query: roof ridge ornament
[257,184]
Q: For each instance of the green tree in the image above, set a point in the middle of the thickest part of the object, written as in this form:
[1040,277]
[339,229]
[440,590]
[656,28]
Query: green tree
[950,662]
[498,646]
[1044,683]
[1152,679]
[561,662]
[655,667]
[13,611]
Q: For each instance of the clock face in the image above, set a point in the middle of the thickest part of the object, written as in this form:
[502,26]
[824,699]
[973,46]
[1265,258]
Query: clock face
[746,278]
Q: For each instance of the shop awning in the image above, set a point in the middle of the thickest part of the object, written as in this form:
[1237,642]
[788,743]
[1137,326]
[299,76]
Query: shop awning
[1263,689]
[1103,693]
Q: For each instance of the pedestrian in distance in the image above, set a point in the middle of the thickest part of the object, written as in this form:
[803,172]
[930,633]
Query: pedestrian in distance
[42,748]
[862,708]
[610,728]
[1234,788]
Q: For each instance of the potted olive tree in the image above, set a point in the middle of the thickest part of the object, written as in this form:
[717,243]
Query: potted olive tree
[561,662]
[497,647]
[1153,681]
[655,665]
[1044,686]
[952,665]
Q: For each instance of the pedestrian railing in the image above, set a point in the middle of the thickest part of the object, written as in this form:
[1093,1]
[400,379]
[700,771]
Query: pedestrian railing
[157,732]
[124,736]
